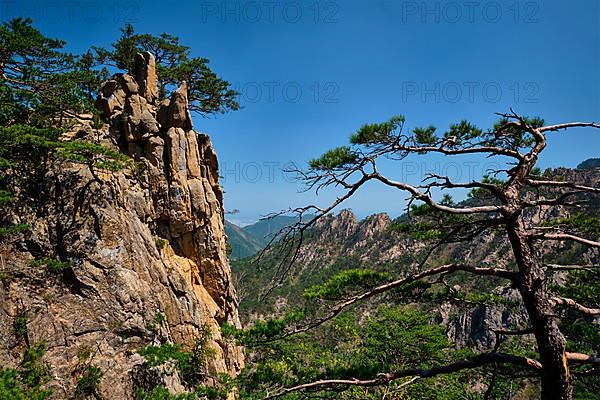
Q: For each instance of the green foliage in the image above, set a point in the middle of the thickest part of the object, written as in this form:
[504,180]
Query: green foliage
[160,243]
[6,197]
[263,330]
[418,230]
[199,393]
[159,355]
[162,393]
[4,163]
[159,318]
[30,150]
[425,136]
[339,157]
[580,222]
[94,154]
[207,93]
[462,132]
[483,193]
[189,364]
[88,382]
[52,264]
[40,84]
[391,339]
[27,144]
[536,171]
[29,147]
[514,137]
[26,381]
[13,230]
[341,283]
[20,325]
[377,133]
[154,325]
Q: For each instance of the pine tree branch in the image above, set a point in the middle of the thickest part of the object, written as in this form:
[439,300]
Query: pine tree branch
[475,362]
[558,267]
[563,301]
[491,150]
[538,183]
[444,269]
[520,332]
[564,236]
[418,195]
[551,128]
[582,358]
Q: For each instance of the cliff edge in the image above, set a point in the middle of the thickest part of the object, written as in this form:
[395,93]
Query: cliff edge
[141,251]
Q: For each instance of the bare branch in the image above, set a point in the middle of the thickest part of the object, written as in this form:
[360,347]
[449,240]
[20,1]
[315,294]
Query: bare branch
[490,150]
[564,236]
[475,362]
[582,358]
[560,200]
[563,301]
[526,331]
[539,182]
[558,267]
[292,236]
[417,194]
[444,269]
[448,184]
[550,128]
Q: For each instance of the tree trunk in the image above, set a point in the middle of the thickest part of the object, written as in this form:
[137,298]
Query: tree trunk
[532,284]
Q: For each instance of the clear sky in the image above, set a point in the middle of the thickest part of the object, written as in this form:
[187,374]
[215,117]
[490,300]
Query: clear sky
[311,72]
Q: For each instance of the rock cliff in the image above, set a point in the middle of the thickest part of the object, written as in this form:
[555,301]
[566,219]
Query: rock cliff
[145,249]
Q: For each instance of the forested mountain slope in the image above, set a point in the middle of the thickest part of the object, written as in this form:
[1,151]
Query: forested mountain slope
[469,311]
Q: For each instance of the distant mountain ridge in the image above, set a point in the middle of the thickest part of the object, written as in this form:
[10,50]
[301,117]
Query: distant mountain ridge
[590,163]
[248,240]
[243,244]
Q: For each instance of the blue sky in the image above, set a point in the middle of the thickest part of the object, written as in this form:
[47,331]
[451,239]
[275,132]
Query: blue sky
[311,72]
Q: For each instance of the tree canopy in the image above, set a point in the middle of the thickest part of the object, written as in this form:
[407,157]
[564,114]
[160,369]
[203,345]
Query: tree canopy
[207,93]
[40,83]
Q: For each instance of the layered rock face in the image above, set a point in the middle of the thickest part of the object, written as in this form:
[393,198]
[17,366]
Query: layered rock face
[146,247]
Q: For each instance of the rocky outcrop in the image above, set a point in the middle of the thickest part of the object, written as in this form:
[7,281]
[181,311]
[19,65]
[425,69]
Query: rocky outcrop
[145,249]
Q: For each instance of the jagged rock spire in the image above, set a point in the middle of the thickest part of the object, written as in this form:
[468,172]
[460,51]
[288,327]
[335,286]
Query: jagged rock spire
[145,75]
[129,105]
[182,169]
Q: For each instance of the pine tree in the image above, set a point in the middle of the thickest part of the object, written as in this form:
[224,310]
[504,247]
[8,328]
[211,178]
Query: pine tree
[207,93]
